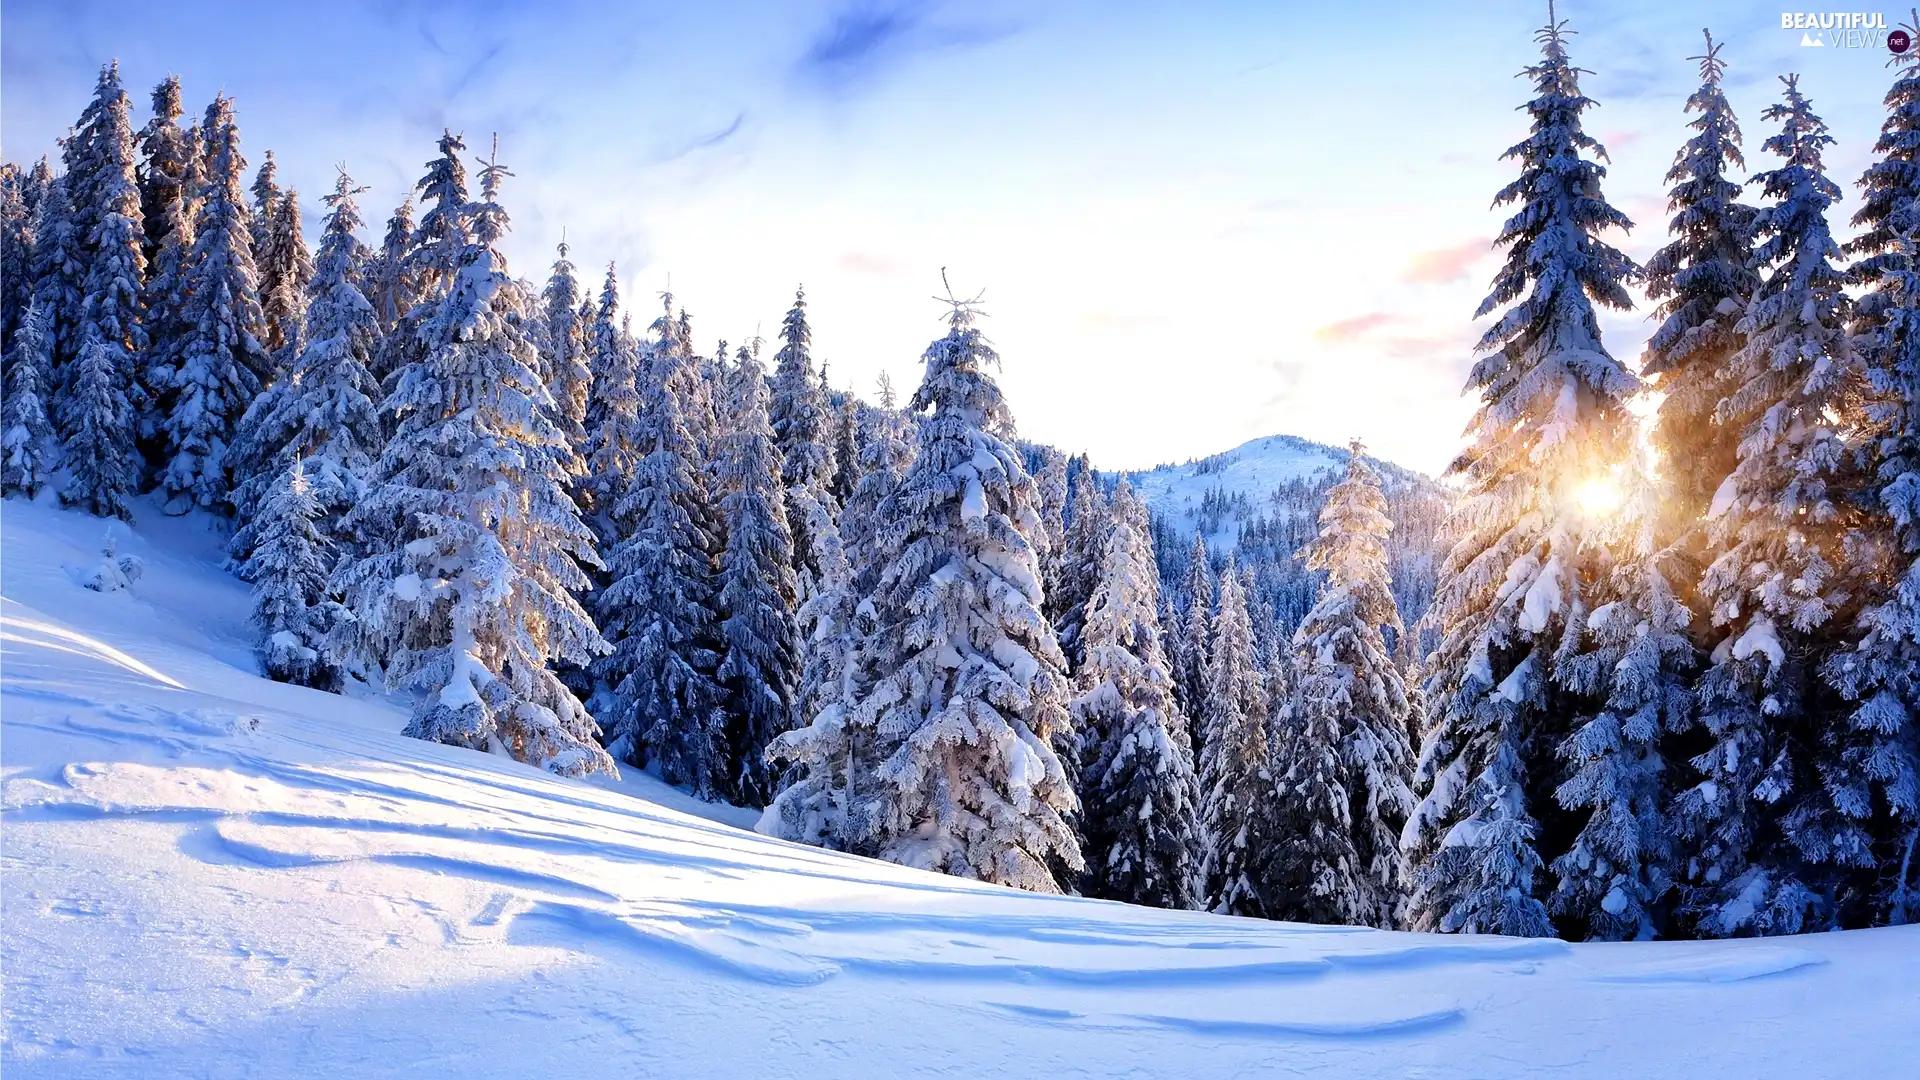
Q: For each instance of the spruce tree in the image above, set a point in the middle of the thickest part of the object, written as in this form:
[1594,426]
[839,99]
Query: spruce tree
[659,611]
[1611,885]
[1888,190]
[27,448]
[472,601]
[325,412]
[756,587]
[166,164]
[16,253]
[948,760]
[1087,525]
[285,275]
[1702,280]
[1138,781]
[167,202]
[1192,639]
[800,426]
[1755,808]
[1236,787]
[59,280]
[222,363]
[612,420]
[564,353]
[266,197]
[388,287]
[95,424]
[288,568]
[1520,574]
[1342,761]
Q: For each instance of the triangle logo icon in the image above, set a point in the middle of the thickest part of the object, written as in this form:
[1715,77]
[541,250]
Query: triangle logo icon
[1809,41]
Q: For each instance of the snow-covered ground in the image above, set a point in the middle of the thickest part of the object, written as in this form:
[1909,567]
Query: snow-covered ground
[209,875]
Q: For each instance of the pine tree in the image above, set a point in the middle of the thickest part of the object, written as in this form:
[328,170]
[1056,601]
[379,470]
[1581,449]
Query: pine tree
[284,279]
[846,447]
[288,568]
[94,422]
[1087,526]
[1702,280]
[1611,884]
[1192,639]
[1342,760]
[949,763]
[16,253]
[1888,190]
[167,203]
[659,611]
[1138,778]
[266,197]
[887,450]
[1050,478]
[222,363]
[1520,576]
[26,436]
[612,423]
[1236,787]
[325,412]
[756,587]
[473,600]
[1878,747]
[59,280]
[388,287]
[800,426]
[1775,584]
[564,353]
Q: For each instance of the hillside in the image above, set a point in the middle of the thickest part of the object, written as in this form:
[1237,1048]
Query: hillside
[209,874]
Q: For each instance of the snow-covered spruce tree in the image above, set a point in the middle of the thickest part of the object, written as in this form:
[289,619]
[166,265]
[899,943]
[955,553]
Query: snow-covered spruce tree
[222,363]
[431,256]
[1236,788]
[1756,811]
[1050,479]
[1878,747]
[1702,280]
[1517,583]
[1137,779]
[949,763]
[1341,761]
[1611,884]
[16,253]
[59,279]
[474,598]
[95,425]
[388,286]
[1889,189]
[166,164]
[659,610]
[886,452]
[284,280]
[266,196]
[756,587]
[172,164]
[563,348]
[612,435]
[846,446]
[288,567]
[325,412]
[26,435]
[1087,525]
[1192,639]
[800,425]
[699,394]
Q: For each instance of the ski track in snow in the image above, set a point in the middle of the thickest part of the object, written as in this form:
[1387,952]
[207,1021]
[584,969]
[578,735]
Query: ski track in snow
[208,874]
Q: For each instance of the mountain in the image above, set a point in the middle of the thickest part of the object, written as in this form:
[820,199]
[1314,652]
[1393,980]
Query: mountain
[210,874]
[1217,494]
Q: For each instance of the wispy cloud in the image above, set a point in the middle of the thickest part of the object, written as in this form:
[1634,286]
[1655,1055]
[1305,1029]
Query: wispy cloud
[1355,328]
[703,142]
[1442,266]
[864,39]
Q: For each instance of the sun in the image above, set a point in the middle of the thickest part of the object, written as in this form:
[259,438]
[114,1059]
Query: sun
[1599,496]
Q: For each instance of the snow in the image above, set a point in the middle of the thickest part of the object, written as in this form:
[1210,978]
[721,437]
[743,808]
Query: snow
[1254,469]
[209,874]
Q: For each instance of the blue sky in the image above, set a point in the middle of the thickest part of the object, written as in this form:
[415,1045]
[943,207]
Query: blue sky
[1194,223]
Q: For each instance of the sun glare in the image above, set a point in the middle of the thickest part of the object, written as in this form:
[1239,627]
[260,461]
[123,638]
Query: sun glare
[1599,496]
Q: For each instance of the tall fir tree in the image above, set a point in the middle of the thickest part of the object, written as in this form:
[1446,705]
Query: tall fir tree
[167,200]
[222,363]
[1613,882]
[1236,786]
[1087,525]
[950,763]
[326,412]
[563,348]
[474,599]
[660,684]
[266,196]
[166,166]
[59,279]
[285,276]
[756,587]
[16,252]
[1342,762]
[1701,279]
[27,446]
[1137,780]
[1192,639]
[288,568]
[612,420]
[1522,571]
[1755,809]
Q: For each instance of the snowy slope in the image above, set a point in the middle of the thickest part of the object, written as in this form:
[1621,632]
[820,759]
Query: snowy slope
[1254,469]
[210,875]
